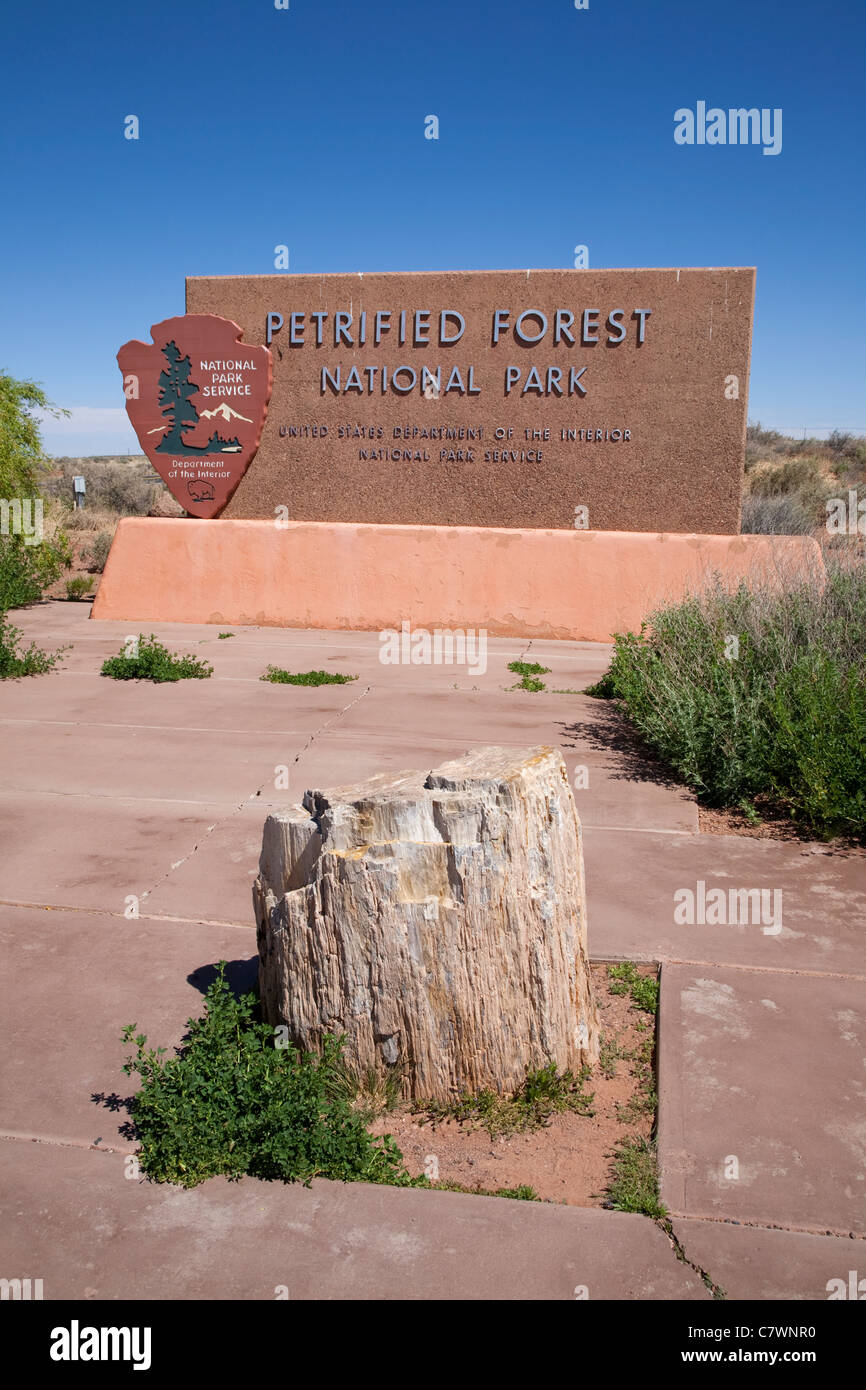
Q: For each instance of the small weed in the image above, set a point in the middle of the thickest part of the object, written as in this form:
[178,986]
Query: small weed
[644,989]
[645,1099]
[634,1184]
[278,676]
[223,635]
[370,1093]
[528,668]
[609,1053]
[529,671]
[543,1093]
[149,660]
[524,1193]
[748,809]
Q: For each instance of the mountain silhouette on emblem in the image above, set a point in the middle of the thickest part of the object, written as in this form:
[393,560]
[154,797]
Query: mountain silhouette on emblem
[226,412]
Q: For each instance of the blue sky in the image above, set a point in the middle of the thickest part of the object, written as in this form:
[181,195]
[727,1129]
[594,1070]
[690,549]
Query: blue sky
[305,127]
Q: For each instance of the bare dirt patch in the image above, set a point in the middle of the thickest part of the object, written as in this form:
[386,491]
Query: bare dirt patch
[731,820]
[773,825]
[568,1160]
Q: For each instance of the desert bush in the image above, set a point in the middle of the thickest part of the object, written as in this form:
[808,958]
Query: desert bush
[756,434]
[90,519]
[232,1102]
[782,718]
[786,496]
[97,555]
[120,487]
[777,516]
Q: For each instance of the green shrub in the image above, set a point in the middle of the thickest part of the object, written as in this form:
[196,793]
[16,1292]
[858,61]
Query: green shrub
[817,722]
[232,1102]
[26,571]
[784,718]
[15,662]
[280,677]
[79,586]
[146,659]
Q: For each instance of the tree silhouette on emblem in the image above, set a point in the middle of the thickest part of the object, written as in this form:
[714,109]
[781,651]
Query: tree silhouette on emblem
[175,390]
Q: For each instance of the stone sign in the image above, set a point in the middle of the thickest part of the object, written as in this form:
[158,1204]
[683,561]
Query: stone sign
[596,399]
[197,398]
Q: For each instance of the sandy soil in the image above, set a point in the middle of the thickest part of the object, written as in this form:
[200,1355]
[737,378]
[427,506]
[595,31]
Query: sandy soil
[568,1160]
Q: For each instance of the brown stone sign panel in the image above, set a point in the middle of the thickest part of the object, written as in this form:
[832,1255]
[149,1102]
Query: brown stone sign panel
[197,398]
[597,399]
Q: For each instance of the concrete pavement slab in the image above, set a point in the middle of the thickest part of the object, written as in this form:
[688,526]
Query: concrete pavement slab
[71,1218]
[762,1113]
[147,764]
[218,705]
[215,884]
[95,974]
[250,649]
[751,1262]
[76,851]
[632,878]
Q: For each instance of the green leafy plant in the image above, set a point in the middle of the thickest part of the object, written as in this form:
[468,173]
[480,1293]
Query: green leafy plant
[278,676]
[223,635]
[528,668]
[529,672]
[232,1102]
[146,659]
[79,586]
[543,1093]
[31,661]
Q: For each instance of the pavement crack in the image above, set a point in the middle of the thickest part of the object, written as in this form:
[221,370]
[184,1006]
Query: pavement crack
[335,718]
[246,801]
[715,1290]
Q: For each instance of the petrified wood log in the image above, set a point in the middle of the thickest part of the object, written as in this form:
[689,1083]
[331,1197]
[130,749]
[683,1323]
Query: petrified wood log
[438,921]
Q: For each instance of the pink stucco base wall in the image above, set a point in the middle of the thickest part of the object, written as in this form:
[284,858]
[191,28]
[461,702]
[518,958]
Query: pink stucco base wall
[579,585]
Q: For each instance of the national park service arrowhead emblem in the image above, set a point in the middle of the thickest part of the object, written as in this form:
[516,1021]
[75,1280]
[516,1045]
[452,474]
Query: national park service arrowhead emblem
[197,398]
